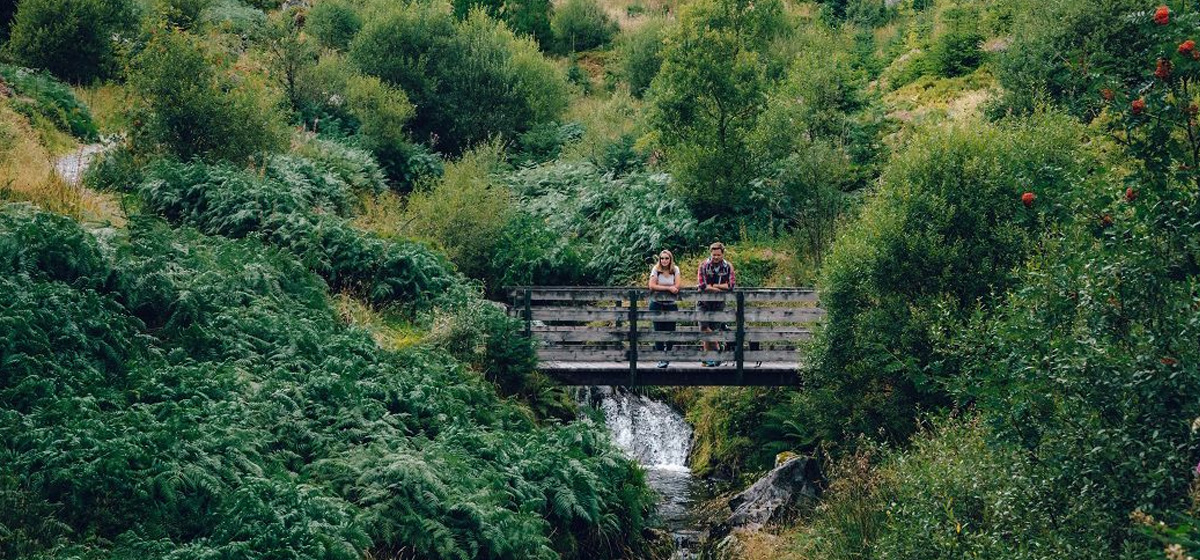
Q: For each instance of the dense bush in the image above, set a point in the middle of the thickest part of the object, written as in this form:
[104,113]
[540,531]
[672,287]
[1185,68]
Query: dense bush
[73,39]
[957,50]
[193,108]
[524,17]
[470,80]
[615,222]
[334,23]
[639,52]
[465,211]
[222,200]
[1099,38]
[183,14]
[40,96]
[581,25]
[235,17]
[179,396]
[939,238]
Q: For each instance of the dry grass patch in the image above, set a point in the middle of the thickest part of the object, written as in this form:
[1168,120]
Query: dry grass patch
[108,104]
[389,333]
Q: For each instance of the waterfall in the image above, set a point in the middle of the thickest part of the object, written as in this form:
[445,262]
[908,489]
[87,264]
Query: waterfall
[657,436]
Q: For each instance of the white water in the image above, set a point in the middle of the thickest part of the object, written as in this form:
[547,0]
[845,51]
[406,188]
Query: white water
[657,436]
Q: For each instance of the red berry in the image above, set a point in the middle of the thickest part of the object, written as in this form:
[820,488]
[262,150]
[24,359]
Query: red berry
[1106,221]
[1138,106]
[1168,361]
[1162,15]
[1130,194]
[1187,47]
[1107,94]
[1027,199]
[1162,69]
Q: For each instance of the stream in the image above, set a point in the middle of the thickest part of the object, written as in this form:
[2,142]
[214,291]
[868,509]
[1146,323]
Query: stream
[660,440]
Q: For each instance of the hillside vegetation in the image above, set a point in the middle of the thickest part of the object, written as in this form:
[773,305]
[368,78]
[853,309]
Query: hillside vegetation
[265,323]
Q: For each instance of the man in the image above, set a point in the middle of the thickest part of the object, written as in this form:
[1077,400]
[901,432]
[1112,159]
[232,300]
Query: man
[714,275]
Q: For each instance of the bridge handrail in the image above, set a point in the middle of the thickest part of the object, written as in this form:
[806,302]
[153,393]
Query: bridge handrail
[625,307]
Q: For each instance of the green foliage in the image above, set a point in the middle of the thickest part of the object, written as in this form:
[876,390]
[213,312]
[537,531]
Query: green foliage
[182,396]
[707,98]
[282,210]
[614,222]
[194,108]
[183,14]
[639,52]
[465,211]
[524,17]
[482,334]
[939,238]
[957,51]
[354,166]
[116,169]
[581,25]
[334,23]
[236,18]
[1097,38]
[470,80]
[73,39]
[290,56]
[545,142]
[39,96]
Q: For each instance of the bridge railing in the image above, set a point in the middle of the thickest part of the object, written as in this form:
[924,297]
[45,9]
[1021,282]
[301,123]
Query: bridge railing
[577,324]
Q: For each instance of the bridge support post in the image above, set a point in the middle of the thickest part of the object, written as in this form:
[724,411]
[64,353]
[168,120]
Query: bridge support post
[739,342]
[528,313]
[633,337]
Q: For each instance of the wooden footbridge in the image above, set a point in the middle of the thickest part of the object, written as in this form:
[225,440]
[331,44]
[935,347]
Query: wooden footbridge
[607,336]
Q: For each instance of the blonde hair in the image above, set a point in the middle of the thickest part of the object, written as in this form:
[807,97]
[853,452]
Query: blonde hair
[716,245]
[659,266]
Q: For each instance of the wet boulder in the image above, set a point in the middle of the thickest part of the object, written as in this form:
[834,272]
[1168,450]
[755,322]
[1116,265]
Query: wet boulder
[787,487]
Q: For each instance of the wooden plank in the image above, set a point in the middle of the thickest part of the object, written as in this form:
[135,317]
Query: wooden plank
[621,314]
[751,356]
[585,294]
[594,354]
[797,314]
[609,334]
[774,374]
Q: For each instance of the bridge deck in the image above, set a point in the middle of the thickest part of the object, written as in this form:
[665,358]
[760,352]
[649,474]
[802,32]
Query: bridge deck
[684,373]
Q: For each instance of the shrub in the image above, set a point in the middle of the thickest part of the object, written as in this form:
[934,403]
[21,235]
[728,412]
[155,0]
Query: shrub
[234,17]
[196,111]
[483,335]
[116,169]
[956,53]
[635,213]
[73,39]
[470,80]
[40,96]
[334,23]
[181,13]
[465,211]
[948,213]
[1097,37]
[639,52]
[225,201]
[545,142]
[581,25]
[355,166]
[524,17]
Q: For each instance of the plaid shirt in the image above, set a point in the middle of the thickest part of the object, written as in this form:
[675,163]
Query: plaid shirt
[710,273]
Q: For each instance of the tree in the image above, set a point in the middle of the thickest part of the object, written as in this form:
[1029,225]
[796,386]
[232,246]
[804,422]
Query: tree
[73,39]
[707,97]
[194,109]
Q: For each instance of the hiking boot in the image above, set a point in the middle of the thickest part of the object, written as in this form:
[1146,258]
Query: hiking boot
[663,364]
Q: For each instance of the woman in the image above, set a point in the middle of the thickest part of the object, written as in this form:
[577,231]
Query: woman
[664,284]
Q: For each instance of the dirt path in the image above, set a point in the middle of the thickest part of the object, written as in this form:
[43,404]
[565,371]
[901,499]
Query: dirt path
[72,166]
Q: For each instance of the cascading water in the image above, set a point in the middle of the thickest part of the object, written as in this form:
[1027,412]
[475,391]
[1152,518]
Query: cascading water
[659,439]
